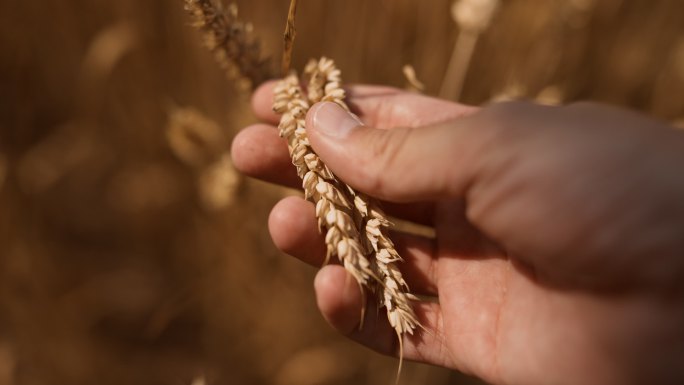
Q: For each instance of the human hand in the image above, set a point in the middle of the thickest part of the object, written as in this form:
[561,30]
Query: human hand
[558,249]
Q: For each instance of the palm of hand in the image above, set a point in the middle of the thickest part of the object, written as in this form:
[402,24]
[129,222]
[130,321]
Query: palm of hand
[499,323]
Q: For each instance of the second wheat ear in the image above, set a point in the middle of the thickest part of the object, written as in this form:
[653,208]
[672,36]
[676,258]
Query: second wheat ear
[355,228]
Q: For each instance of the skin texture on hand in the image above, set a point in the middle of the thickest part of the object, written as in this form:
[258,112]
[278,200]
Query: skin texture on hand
[558,256]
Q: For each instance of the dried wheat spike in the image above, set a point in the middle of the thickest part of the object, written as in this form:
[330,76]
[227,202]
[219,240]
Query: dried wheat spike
[353,222]
[333,207]
[324,84]
[230,40]
[394,295]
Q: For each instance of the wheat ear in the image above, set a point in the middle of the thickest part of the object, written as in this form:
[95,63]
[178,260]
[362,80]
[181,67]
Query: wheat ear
[356,229]
[231,41]
[333,207]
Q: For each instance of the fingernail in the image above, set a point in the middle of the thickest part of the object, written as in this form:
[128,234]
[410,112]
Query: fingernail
[333,120]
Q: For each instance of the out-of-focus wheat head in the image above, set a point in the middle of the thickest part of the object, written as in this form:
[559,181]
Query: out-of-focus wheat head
[56,156]
[550,96]
[474,15]
[193,137]
[231,41]
[218,184]
[198,142]
[356,229]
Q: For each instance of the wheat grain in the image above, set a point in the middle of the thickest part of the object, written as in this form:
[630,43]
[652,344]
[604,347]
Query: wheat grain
[356,228]
[231,41]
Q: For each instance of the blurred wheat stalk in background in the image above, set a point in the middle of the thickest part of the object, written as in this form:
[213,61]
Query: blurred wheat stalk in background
[231,40]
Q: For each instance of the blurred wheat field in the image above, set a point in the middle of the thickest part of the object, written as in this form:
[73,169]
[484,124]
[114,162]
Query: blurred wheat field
[129,256]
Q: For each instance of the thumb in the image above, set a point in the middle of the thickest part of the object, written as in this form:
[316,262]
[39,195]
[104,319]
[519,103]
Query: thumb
[401,164]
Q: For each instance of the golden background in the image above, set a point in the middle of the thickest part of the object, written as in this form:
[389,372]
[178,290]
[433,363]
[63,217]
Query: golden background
[127,258]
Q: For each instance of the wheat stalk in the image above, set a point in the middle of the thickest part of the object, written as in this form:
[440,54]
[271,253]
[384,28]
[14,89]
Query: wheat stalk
[473,18]
[231,41]
[289,37]
[355,227]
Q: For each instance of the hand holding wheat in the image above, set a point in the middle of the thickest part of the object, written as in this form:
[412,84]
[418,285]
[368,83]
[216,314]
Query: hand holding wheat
[525,268]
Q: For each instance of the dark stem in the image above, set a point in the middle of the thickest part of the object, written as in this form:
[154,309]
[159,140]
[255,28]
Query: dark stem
[289,37]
